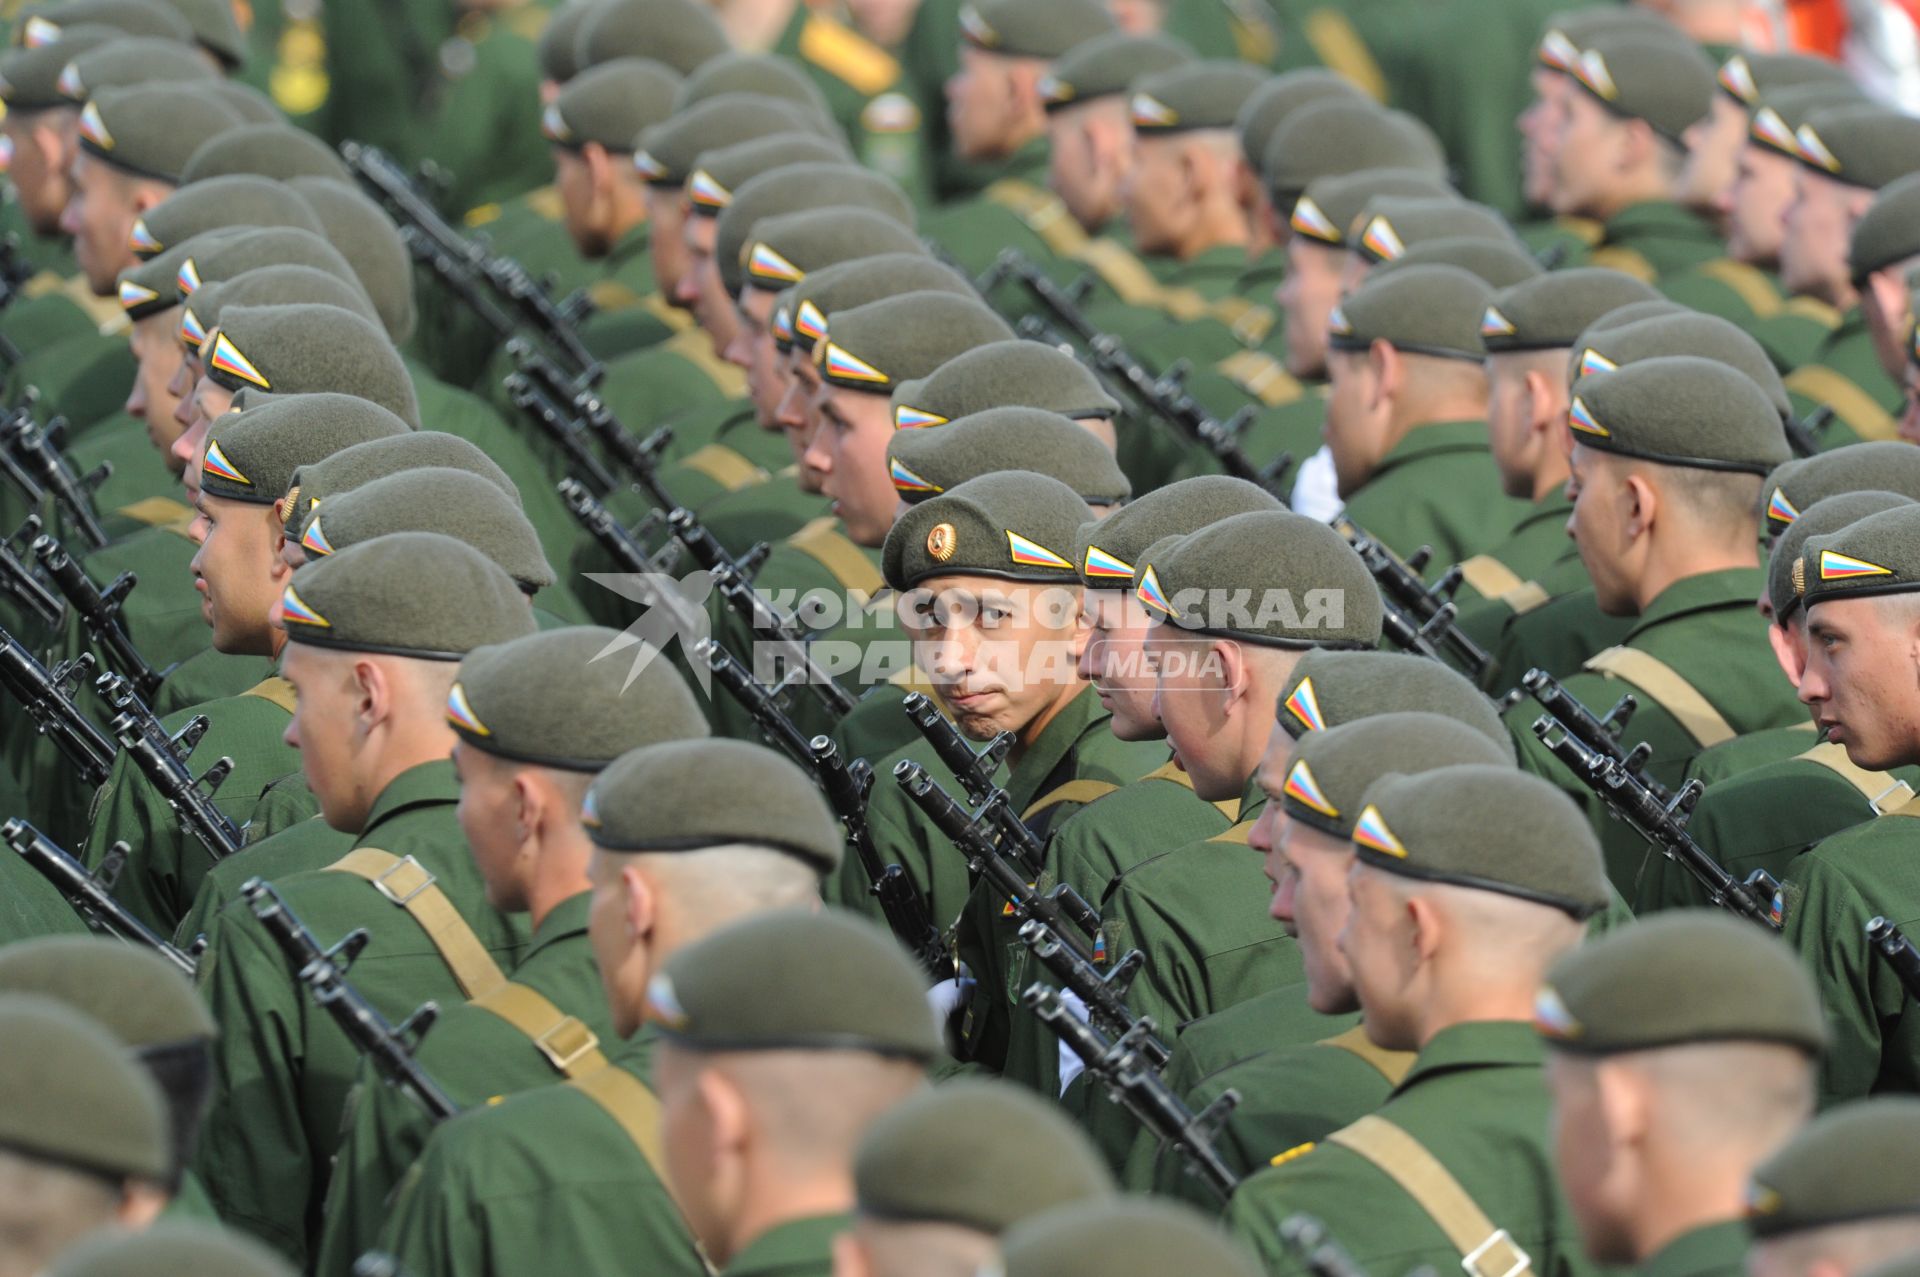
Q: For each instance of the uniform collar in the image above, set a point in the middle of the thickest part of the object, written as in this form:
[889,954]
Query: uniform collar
[1714,1250]
[1029,163]
[628,246]
[1664,216]
[1252,799]
[1083,716]
[1704,593]
[1435,437]
[1550,507]
[565,921]
[800,1244]
[1222,261]
[1476,1044]
[423,786]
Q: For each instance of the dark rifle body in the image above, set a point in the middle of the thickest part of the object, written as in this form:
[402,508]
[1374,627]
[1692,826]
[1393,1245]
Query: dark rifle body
[974,770]
[1427,613]
[99,611]
[1898,952]
[41,461]
[90,894]
[47,696]
[19,582]
[162,759]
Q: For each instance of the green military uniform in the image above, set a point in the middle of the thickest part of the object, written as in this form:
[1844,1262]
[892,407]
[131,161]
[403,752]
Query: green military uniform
[1654,240]
[483,108]
[1843,372]
[30,906]
[867,93]
[797,1248]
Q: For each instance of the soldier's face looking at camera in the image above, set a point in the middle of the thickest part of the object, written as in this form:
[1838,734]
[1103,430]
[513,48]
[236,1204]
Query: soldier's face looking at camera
[1001,654]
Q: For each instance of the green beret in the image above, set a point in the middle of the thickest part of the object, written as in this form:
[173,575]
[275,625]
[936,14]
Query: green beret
[131,60]
[1877,465]
[371,244]
[1889,231]
[792,980]
[1020,29]
[1850,1165]
[420,595]
[1864,145]
[1329,688]
[79,1101]
[1434,827]
[169,1248]
[1551,311]
[610,105]
[252,455]
[1618,339]
[1002,374]
[926,462]
[30,78]
[798,188]
[1389,225]
[1822,518]
[1197,95]
[293,350]
[1268,107]
[550,700]
[1014,525]
[1679,410]
[1663,80]
[246,102]
[683,34]
[1271,577]
[1332,770]
[555,46]
[1633,313]
[363,463]
[1107,65]
[1618,993]
[1338,135]
[871,279]
[1494,263]
[41,25]
[152,287]
[268,286]
[872,348]
[1776,124]
[1022,1157]
[1106,551]
[1424,310]
[453,502]
[216,28]
[269,150]
[1326,211]
[251,248]
[768,74]
[220,203]
[718,173]
[1902,1266]
[664,154]
[1123,1237]
[725,792]
[152,130]
[1878,555]
[133,993]
[1749,77]
[784,249]
[1566,33]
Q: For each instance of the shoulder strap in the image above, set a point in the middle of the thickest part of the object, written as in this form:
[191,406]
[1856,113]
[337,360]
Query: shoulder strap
[1883,792]
[1170,770]
[1851,404]
[1747,283]
[1391,1065]
[1042,212]
[1812,308]
[1237,834]
[570,1046]
[1260,375]
[1669,691]
[156,511]
[724,466]
[611,295]
[636,1109]
[1341,49]
[1124,273]
[1082,791]
[1529,596]
[666,312]
[275,689]
[406,882]
[844,53]
[695,347]
[1486,1251]
[1248,321]
[1489,576]
[823,540]
[1627,261]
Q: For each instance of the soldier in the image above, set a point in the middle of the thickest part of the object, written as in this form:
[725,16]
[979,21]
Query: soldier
[538,720]
[86,1146]
[1408,401]
[38,124]
[372,636]
[1022,1157]
[170,1250]
[1641,461]
[1809,1208]
[573,1173]
[481,101]
[1853,585]
[1299,1092]
[275,149]
[1122,1237]
[1882,249]
[1714,142]
[1453,925]
[1090,120]
[1666,1097]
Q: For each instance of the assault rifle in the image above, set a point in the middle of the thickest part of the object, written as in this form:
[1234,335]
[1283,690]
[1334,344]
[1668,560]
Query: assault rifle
[1891,944]
[846,786]
[162,759]
[47,471]
[1124,1066]
[1425,623]
[91,894]
[623,545]
[974,770]
[99,611]
[19,581]
[47,696]
[324,972]
[1591,752]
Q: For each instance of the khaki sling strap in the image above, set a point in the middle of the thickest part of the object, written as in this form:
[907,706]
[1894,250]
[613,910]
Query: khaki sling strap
[822,540]
[1262,376]
[156,511]
[570,1046]
[1627,261]
[1042,211]
[636,1109]
[406,882]
[1669,691]
[1342,49]
[1391,1065]
[1883,793]
[724,466]
[1485,1251]
[1081,791]
[1489,577]
[1528,597]
[1745,282]
[1856,407]
[276,690]
[1124,273]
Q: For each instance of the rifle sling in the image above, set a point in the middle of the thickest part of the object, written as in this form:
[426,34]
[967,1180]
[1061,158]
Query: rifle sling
[1883,792]
[1391,1065]
[1485,1250]
[1081,791]
[568,1045]
[724,466]
[1858,409]
[1042,212]
[1658,680]
[406,882]
[275,689]
[1489,577]
[1170,770]
[636,1110]
[822,540]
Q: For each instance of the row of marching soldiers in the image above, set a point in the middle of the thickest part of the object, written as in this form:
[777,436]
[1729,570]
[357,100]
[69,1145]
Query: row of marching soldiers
[1387,725]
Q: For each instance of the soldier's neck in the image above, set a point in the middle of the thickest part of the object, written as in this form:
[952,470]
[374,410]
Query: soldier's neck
[1667,566]
[561,871]
[1699,1194]
[784,1198]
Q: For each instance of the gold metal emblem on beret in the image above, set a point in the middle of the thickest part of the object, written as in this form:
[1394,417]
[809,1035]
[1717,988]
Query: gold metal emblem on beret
[942,541]
[1799,577]
[288,504]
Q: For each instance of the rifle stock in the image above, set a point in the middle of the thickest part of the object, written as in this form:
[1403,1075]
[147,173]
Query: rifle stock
[162,759]
[47,696]
[99,611]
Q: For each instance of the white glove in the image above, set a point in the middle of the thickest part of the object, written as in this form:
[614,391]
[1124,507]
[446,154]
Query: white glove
[1071,1065]
[1316,489]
